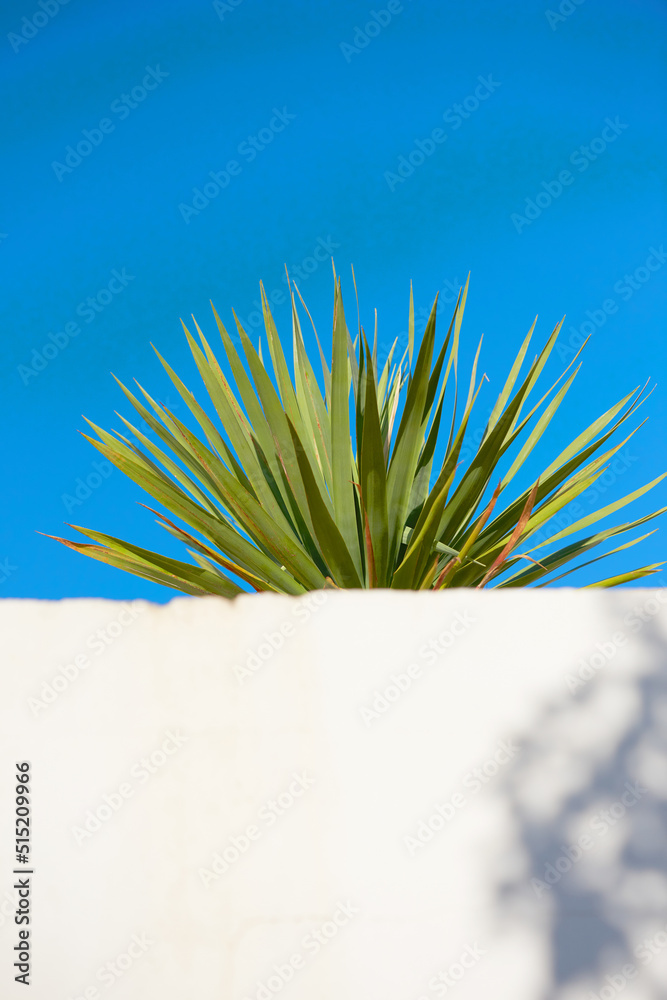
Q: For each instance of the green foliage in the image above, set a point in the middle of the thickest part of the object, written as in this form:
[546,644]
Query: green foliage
[299,485]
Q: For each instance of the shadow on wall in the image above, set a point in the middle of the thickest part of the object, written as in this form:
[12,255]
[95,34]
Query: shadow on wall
[588,796]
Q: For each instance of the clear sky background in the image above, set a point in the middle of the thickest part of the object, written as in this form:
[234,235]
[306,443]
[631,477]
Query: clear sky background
[318,113]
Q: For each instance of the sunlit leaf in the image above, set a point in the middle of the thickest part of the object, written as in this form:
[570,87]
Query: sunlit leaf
[280,480]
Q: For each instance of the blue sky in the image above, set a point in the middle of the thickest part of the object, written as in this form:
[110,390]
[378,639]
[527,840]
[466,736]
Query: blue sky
[306,112]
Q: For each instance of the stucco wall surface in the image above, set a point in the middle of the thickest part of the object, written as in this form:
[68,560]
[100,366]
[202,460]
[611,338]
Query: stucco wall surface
[347,796]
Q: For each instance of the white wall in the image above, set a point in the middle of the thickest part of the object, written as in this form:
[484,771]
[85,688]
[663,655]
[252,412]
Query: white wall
[541,725]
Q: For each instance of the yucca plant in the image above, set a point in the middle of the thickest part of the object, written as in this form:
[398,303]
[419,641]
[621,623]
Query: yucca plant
[301,485]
